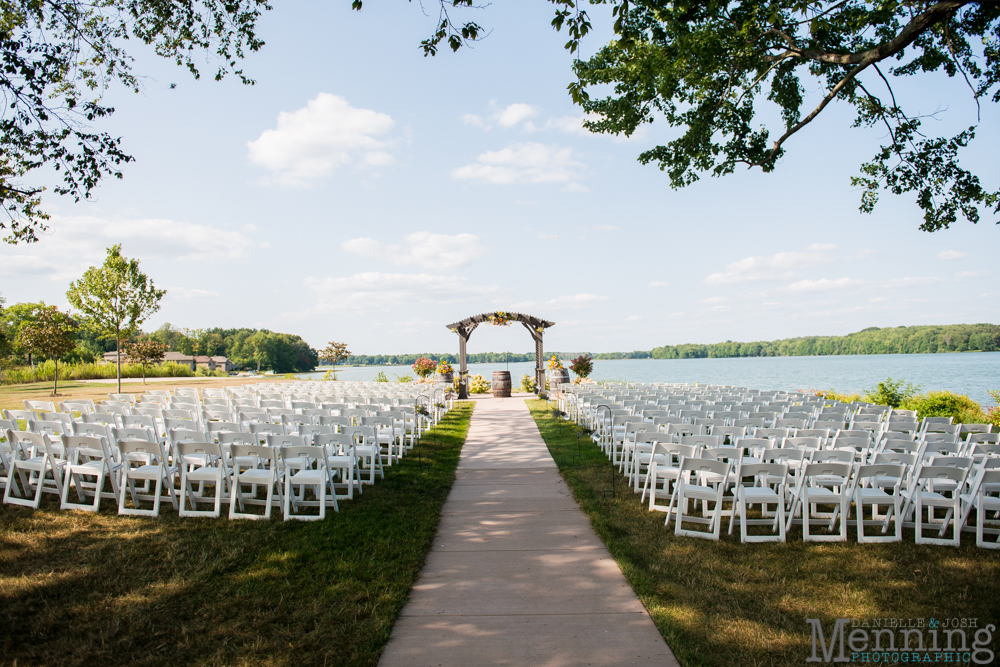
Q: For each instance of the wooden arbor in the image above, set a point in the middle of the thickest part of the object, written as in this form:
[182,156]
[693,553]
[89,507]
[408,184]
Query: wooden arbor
[535,326]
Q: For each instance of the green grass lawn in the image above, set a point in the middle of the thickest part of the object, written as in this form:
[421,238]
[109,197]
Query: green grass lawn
[729,603]
[84,589]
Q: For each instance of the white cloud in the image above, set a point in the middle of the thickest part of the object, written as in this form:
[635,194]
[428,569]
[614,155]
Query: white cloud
[823,284]
[657,283]
[911,281]
[972,274]
[423,249]
[953,254]
[327,133]
[525,163]
[633,318]
[780,266]
[514,114]
[713,300]
[475,120]
[377,290]
[606,228]
[80,241]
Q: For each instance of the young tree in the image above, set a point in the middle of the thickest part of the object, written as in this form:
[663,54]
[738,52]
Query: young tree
[50,335]
[145,353]
[59,57]
[334,353]
[115,298]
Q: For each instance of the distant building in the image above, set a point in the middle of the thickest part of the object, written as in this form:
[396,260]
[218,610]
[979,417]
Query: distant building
[194,363]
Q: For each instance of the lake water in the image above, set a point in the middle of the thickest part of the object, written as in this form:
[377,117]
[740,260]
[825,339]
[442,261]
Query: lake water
[972,373]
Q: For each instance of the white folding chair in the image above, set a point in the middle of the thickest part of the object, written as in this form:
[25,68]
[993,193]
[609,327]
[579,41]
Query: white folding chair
[144,461]
[760,491]
[924,494]
[685,490]
[870,484]
[342,461]
[200,462]
[980,499]
[88,457]
[306,466]
[823,484]
[254,465]
[35,462]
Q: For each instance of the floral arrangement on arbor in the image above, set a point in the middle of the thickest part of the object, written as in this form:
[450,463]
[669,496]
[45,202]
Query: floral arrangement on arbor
[444,367]
[424,366]
[500,318]
[555,364]
[583,366]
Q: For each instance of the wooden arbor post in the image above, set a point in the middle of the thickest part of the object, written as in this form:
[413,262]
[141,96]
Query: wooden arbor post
[535,326]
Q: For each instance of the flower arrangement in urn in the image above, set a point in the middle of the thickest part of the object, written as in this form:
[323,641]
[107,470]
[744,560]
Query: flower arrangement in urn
[444,372]
[424,366]
[583,366]
[555,364]
[500,318]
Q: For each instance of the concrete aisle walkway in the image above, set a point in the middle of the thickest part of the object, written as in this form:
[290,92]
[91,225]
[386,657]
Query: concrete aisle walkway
[517,575]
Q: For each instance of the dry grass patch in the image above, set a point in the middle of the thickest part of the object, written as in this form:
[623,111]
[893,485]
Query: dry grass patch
[728,603]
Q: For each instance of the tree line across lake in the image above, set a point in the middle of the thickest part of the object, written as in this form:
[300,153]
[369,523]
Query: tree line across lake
[893,340]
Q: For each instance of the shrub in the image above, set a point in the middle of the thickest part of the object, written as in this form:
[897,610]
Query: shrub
[528,383]
[946,404]
[91,371]
[403,379]
[479,385]
[892,393]
[381,377]
[993,415]
[836,396]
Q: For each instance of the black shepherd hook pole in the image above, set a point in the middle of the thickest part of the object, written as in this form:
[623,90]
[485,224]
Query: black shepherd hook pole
[605,430]
[417,414]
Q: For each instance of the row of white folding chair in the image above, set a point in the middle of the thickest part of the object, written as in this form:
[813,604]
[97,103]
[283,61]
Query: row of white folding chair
[838,484]
[69,464]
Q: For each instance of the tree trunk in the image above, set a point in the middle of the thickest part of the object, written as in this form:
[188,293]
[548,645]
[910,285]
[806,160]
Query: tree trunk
[55,379]
[144,373]
[118,360]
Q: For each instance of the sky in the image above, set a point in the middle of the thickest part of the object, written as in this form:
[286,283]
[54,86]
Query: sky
[361,192]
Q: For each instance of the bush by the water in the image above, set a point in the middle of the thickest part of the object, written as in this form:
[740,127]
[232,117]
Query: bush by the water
[892,393]
[479,385]
[905,396]
[528,383]
[45,372]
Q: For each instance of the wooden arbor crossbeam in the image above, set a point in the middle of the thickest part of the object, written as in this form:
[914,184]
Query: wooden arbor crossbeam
[536,326]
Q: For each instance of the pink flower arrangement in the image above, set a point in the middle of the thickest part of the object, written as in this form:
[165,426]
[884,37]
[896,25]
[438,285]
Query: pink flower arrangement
[424,366]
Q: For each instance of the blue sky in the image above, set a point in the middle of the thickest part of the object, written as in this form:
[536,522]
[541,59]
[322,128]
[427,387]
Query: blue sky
[364,193]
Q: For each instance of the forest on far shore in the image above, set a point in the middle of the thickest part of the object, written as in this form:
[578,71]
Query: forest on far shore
[924,339]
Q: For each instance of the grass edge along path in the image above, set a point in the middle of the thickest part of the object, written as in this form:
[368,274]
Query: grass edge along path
[729,603]
[79,588]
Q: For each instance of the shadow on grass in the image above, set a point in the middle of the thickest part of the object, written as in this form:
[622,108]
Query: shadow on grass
[84,589]
[728,603]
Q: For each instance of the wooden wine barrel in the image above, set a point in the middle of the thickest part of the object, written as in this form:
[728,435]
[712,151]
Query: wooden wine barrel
[445,377]
[557,377]
[501,384]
